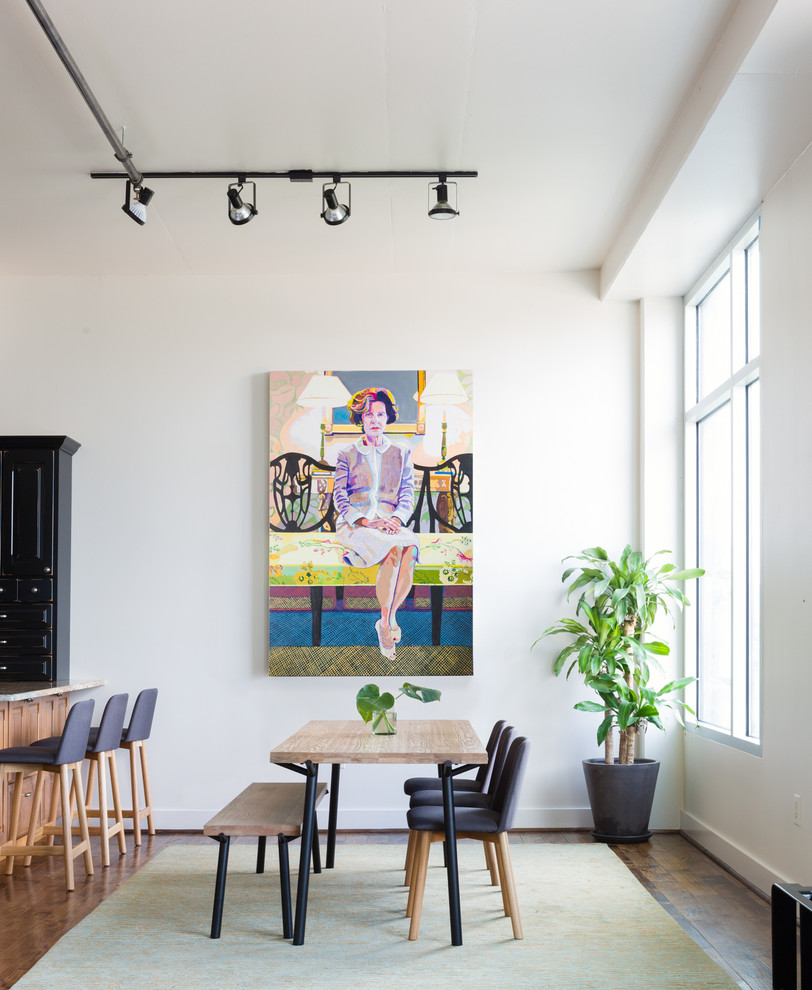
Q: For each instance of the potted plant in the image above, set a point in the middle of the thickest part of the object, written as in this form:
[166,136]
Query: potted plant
[619,601]
[379,708]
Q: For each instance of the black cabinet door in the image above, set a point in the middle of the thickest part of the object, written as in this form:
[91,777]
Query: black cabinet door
[28,512]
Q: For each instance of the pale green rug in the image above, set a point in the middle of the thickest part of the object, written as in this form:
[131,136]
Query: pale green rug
[588,925]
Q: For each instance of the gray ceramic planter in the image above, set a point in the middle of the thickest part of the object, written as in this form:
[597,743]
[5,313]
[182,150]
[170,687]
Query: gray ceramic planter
[621,797]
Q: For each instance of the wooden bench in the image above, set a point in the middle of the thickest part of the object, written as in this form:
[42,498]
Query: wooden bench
[262,809]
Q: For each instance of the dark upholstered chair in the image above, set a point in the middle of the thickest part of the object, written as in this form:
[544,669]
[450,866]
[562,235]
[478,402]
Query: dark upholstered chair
[478,783]
[103,743]
[489,825]
[66,754]
[466,799]
[133,739]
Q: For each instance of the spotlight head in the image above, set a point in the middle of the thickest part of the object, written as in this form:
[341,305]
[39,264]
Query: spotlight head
[136,208]
[240,212]
[334,212]
[442,209]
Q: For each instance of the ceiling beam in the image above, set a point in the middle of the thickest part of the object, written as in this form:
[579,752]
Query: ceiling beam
[739,33]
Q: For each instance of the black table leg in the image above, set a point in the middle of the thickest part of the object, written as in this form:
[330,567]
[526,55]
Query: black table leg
[284,885]
[261,853]
[308,818]
[451,856]
[220,885]
[332,821]
[316,849]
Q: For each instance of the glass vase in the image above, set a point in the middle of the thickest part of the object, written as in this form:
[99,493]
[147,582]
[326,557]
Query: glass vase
[385,723]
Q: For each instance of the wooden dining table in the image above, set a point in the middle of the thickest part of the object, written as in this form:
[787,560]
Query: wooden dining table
[451,744]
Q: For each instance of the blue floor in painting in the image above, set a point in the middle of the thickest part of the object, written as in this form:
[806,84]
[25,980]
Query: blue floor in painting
[340,627]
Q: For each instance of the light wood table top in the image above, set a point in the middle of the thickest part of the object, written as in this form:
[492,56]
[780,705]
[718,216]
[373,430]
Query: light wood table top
[352,741]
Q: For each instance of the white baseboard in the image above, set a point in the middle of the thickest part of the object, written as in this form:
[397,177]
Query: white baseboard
[745,866]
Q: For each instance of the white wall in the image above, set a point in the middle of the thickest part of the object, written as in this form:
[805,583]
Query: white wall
[163,381]
[737,805]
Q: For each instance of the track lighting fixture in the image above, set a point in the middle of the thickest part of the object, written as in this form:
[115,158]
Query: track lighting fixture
[240,212]
[334,212]
[136,207]
[442,209]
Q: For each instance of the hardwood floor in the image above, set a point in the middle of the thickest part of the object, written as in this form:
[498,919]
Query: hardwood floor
[729,921]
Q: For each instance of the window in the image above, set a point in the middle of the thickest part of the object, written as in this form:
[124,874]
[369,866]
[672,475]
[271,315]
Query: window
[723,495]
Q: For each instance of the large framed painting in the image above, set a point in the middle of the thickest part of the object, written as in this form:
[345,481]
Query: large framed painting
[371,498]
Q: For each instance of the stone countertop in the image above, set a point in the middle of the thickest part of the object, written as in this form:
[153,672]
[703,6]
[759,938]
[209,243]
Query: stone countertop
[23,690]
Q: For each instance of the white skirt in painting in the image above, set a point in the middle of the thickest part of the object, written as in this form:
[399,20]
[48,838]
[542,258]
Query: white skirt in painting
[367,546]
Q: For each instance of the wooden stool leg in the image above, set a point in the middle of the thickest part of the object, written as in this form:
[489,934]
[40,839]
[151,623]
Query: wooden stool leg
[82,813]
[134,789]
[508,883]
[16,801]
[53,809]
[122,842]
[91,780]
[104,813]
[67,840]
[33,818]
[418,886]
[147,794]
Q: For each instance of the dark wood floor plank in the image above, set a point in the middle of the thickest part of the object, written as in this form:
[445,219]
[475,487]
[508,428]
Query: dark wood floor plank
[727,919]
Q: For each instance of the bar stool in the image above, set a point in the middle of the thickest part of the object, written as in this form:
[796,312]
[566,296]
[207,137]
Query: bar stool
[101,748]
[67,755]
[133,739]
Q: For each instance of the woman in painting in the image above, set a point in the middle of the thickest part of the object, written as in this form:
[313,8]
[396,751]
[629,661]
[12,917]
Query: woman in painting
[373,493]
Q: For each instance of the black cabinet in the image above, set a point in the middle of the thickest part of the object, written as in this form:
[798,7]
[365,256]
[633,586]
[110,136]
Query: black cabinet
[35,504]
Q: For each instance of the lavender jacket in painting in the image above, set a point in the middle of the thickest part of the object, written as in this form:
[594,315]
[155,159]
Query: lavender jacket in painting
[372,481]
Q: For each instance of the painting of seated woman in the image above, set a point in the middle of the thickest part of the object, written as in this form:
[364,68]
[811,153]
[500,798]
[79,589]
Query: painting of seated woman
[370,567]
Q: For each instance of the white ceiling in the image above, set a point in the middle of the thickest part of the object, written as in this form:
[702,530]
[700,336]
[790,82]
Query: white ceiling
[631,136]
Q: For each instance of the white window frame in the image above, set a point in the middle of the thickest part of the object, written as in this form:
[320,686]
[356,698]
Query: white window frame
[733,391]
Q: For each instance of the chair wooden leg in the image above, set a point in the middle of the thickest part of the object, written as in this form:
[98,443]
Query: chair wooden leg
[82,813]
[409,865]
[417,842]
[33,818]
[119,826]
[16,801]
[147,795]
[508,883]
[490,862]
[418,886]
[67,840]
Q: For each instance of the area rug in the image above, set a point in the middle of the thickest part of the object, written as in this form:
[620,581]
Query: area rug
[588,925]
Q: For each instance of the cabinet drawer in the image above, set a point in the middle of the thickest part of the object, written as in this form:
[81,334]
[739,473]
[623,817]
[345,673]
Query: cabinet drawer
[30,640]
[35,590]
[25,617]
[8,589]
[26,668]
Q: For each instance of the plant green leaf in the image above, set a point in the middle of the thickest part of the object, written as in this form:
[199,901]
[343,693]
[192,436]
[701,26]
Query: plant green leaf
[419,693]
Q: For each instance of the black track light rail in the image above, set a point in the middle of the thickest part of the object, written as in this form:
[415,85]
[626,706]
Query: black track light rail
[294,175]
